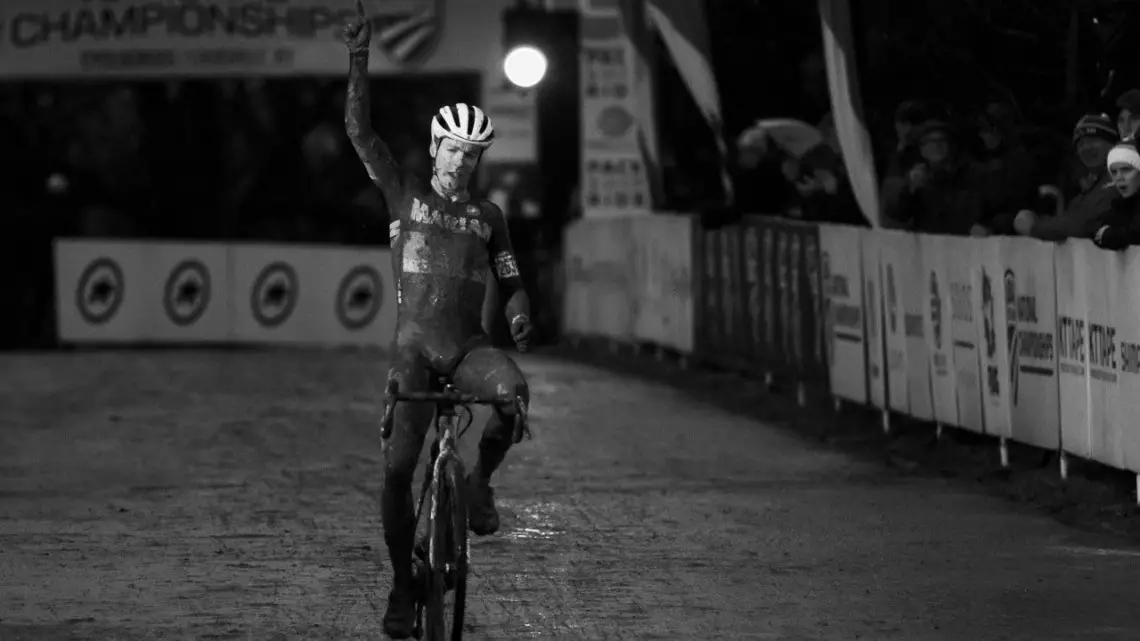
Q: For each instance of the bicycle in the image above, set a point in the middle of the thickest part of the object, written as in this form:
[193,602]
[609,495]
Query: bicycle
[446,557]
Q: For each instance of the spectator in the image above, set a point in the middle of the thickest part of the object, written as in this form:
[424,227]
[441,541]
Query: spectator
[1128,118]
[1007,169]
[1121,228]
[942,193]
[1093,138]
[821,180]
[908,117]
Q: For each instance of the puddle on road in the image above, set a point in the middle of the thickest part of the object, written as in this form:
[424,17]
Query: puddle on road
[538,522]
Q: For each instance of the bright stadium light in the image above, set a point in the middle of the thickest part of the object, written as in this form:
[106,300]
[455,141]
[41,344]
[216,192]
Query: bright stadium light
[525,66]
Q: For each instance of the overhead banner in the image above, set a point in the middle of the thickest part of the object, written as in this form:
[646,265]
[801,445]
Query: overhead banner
[842,277]
[138,38]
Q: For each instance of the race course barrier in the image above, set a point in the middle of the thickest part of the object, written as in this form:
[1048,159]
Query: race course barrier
[112,292]
[1015,338]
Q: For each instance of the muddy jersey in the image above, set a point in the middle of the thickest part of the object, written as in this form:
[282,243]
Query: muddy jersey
[443,252]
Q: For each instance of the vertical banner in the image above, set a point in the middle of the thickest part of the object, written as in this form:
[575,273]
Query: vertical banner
[992,301]
[870,242]
[1128,328]
[960,261]
[614,179]
[841,266]
[939,328]
[1101,284]
[897,259]
[1032,312]
[1072,345]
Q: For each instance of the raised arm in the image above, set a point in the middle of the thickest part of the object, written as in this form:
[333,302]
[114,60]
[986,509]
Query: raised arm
[375,155]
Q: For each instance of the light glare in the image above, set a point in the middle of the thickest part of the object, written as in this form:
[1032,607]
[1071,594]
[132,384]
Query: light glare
[525,66]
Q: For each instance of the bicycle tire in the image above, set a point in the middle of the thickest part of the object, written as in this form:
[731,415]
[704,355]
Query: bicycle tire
[448,531]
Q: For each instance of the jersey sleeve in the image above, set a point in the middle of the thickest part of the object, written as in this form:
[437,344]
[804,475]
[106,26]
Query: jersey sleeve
[502,254]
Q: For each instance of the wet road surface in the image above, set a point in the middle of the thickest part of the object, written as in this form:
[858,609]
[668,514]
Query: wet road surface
[234,496]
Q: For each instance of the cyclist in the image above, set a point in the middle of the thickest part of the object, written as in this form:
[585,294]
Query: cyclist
[443,243]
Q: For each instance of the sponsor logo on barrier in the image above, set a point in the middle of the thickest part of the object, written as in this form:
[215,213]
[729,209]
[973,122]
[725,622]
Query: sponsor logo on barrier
[935,310]
[187,292]
[989,331]
[892,301]
[273,296]
[358,297]
[1010,283]
[99,293]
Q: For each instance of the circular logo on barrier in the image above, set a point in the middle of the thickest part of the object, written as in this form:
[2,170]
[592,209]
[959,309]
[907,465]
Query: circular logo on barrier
[358,297]
[99,293]
[274,294]
[187,292]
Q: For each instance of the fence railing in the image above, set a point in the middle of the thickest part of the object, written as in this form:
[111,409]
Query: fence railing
[1016,338]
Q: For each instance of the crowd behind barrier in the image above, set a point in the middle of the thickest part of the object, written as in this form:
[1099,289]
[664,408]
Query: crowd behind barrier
[1016,338]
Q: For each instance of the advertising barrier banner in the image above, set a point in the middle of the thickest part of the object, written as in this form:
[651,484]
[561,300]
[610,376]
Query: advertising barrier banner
[1032,313]
[992,302]
[842,277]
[870,241]
[897,256]
[99,291]
[938,328]
[1127,322]
[600,278]
[663,280]
[1072,345]
[1100,285]
[960,261]
[156,292]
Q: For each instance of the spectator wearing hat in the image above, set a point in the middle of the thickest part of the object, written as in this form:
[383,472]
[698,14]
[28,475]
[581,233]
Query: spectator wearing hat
[943,190]
[1128,116]
[1091,193]
[1120,229]
[909,116]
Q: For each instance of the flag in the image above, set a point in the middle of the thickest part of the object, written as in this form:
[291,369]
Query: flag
[683,27]
[846,105]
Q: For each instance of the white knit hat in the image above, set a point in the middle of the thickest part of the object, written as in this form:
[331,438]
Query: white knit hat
[1124,154]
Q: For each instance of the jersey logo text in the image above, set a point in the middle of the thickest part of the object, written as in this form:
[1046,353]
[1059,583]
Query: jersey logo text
[424,215]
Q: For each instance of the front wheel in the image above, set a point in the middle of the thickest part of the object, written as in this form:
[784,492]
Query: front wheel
[446,598]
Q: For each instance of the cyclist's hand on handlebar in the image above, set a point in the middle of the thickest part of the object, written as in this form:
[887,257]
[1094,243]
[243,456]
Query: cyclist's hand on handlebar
[521,331]
[358,30]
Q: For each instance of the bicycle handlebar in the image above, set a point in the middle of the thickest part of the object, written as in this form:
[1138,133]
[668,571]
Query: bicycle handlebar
[393,396]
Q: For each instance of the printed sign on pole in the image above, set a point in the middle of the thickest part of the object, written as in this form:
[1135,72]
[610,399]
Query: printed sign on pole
[938,328]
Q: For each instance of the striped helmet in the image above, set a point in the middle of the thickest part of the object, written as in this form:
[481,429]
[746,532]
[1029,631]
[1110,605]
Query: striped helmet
[463,122]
